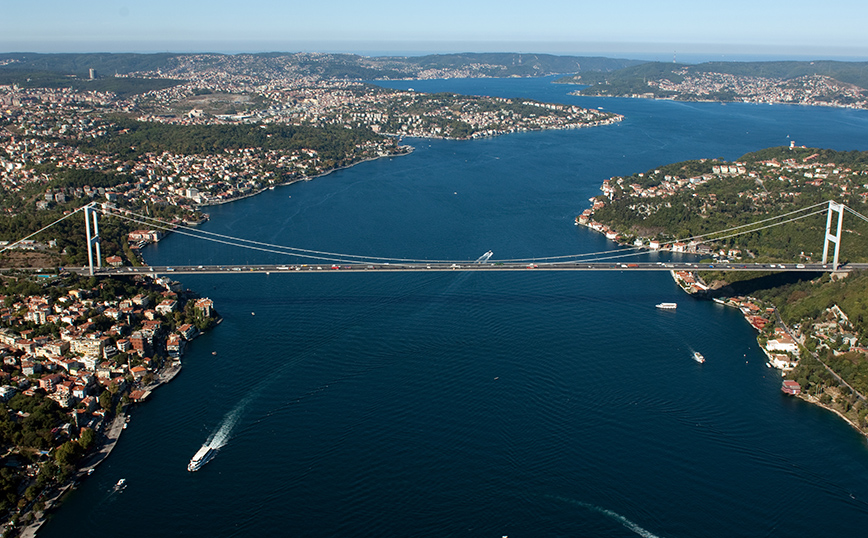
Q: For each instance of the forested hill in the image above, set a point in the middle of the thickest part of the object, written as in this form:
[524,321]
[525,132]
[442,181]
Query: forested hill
[696,198]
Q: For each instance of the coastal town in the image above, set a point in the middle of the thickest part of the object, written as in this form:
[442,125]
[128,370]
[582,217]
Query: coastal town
[812,90]
[77,353]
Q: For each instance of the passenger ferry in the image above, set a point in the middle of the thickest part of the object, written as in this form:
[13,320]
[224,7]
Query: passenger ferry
[201,457]
[667,306]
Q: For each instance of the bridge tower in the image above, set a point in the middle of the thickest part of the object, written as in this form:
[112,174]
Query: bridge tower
[92,238]
[839,208]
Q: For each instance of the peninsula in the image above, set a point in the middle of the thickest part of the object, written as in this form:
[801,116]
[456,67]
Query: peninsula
[821,83]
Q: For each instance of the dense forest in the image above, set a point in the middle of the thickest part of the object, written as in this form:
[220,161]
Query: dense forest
[120,86]
[130,138]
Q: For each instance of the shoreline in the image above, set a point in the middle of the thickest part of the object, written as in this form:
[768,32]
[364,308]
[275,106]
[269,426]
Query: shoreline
[108,439]
[410,150]
[802,395]
[816,401]
[698,100]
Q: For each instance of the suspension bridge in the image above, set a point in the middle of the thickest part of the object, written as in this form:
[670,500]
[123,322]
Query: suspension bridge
[322,261]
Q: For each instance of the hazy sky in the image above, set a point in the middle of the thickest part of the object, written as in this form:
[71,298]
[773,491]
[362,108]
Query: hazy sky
[797,27]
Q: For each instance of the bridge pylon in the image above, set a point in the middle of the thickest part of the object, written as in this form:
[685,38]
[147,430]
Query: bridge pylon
[92,238]
[839,208]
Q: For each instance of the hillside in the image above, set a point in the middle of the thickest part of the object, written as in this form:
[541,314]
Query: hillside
[684,200]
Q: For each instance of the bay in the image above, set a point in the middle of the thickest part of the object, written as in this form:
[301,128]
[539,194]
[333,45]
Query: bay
[474,404]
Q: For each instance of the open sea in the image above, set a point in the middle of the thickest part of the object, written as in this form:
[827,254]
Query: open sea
[480,404]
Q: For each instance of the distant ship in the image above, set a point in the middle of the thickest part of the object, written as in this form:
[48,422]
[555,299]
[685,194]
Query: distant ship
[697,356]
[667,306]
[201,457]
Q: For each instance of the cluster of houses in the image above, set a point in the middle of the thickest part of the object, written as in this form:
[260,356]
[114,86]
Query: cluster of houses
[161,179]
[81,361]
[806,90]
[689,282]
[836,332]
[832,331]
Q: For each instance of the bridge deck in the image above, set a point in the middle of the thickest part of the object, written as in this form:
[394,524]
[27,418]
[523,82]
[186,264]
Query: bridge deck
[470,266]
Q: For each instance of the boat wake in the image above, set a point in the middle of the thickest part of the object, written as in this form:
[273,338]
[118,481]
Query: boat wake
[221,436]
[615,516]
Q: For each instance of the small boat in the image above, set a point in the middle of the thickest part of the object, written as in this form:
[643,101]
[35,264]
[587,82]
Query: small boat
[697,356]
[121,483]
[667,306]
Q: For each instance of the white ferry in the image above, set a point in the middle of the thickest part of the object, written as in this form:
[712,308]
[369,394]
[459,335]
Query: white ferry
[667,306]
[697,356]
[201,457]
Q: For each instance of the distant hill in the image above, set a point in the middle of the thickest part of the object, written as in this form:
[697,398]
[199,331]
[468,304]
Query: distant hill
[516,64]
[121,86]
[324,65]
[106,64]
[634,79]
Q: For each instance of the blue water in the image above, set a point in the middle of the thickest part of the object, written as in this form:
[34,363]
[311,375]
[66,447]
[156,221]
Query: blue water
[481,404]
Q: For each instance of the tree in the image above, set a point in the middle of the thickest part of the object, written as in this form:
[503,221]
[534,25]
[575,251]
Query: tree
[31,492]
[68,453]
[87,439]
[105,400]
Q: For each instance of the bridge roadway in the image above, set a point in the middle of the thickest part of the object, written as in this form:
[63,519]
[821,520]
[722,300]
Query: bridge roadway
[469,266]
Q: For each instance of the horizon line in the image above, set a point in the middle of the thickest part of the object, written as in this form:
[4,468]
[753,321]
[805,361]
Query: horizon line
[623,50]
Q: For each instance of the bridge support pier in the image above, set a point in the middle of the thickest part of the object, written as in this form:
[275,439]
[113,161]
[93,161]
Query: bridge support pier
[839,208]
[92,238]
